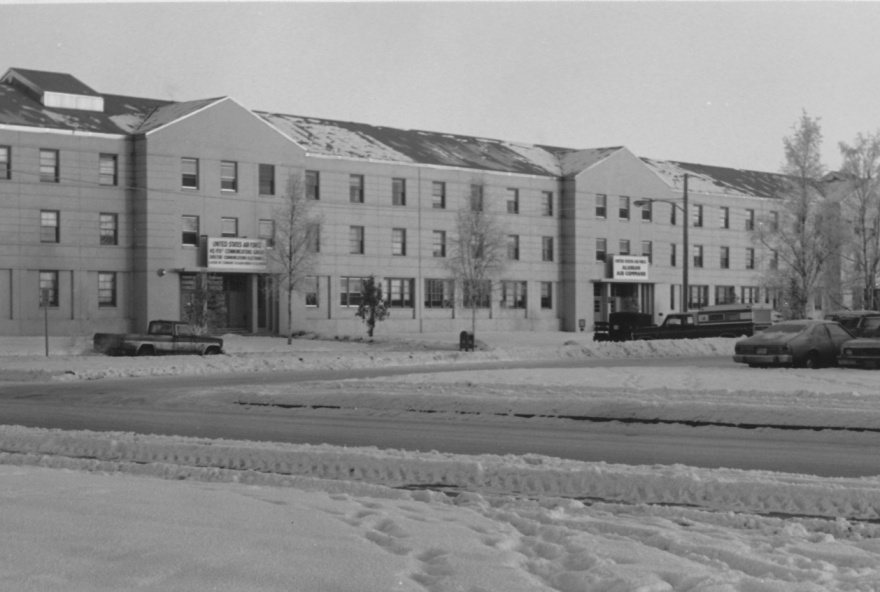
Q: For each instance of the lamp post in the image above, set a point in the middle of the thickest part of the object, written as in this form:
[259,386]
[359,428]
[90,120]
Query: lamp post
[685,255]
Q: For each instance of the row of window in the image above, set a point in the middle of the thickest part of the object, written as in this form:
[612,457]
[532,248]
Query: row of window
[698,296]
[438,293]
[50,166]
[50,227]
[623,248]
[697,219]
[49,289]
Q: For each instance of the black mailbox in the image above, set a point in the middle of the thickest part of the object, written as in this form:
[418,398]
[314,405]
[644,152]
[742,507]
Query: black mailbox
[466,341]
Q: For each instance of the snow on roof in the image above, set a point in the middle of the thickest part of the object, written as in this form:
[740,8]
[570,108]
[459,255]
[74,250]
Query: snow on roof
[341,139]
[719,180]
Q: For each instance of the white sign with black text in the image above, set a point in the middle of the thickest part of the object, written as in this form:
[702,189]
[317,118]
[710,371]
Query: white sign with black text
[626,268]
[237,253]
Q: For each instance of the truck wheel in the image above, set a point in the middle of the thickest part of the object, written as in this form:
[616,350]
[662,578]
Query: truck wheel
[212,351]
[813,361]
[146,350]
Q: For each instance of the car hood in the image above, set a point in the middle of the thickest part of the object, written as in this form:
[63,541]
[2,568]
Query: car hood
[862,342]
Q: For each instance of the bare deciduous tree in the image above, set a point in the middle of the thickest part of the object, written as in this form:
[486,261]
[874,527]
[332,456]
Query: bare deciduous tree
[860,201]
[372,308]
[295,252]
[806,235]
[477,252]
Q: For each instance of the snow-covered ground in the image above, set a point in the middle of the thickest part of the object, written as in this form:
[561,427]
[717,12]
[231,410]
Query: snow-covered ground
[89,511]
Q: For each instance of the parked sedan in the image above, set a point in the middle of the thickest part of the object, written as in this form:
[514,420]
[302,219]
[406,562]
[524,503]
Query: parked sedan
[811,344]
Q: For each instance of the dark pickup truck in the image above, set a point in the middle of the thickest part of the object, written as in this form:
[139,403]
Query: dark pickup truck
[723,320]
[162,337]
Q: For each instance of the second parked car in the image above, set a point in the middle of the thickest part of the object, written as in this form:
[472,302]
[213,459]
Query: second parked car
[811,344]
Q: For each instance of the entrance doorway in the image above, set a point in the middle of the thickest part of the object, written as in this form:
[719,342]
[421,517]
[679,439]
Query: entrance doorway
[611,297]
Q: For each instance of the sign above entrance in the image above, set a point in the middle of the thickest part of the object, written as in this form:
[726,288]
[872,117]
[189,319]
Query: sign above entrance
[237,253]
[625,268]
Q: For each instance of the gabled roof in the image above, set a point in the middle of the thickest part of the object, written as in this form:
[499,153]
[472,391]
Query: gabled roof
[719,180]
[343,139]
[55,82]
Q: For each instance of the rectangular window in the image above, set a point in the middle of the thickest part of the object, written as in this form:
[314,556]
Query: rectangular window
[190,227]
[774,221]
[698,296]
[749,295]
[725,294]
[623,208]
[725,257]
[438,195]
[724,218]
[48,288]
[439,243]
[601,249]
[49,166]
[546,203]
[399,292]
[513,295]
[476,198]
[672,255]
[398,192]
[698,216]
[623,247]
[601,206]
[228,176]
[189,173]
[647,211]
[546,295]
[672,214]
[438,293]
[266,231]
[5,162]
[398,241]
[313,230]
[774,260]
[310,290]
[350,291]
[356,188]
[647,250]
[50,224]
[108,173]
[229,227]
[106,288]
[513,247]
[476,293]
[750,219]
[109,229]
[313,185]
[546,248]
[698,255]
[750,258]
[267,179]
[356,240]
[512,201]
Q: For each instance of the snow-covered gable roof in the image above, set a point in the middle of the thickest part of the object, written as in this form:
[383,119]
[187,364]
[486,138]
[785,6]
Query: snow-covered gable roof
[719,180]
[342,139]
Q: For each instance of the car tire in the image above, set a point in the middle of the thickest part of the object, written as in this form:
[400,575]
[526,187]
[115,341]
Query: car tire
[212,351]
[812,361]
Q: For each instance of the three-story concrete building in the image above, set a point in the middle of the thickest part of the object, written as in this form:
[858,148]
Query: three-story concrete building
[112,206]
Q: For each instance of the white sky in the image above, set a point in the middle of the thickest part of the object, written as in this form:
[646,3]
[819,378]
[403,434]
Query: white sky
[713,83]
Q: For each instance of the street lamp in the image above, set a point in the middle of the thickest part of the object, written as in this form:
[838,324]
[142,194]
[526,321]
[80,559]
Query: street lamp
[684,209]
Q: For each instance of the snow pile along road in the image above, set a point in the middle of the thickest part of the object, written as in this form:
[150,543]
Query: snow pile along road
[530,476]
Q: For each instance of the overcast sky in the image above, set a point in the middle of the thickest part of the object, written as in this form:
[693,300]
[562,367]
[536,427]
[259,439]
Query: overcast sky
[712,83]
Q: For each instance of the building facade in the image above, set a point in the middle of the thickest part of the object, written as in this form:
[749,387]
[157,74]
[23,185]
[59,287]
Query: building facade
[114,207]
